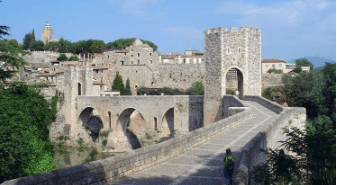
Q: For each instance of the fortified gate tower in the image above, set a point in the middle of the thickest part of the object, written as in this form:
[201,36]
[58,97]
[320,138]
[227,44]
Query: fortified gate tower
[232,61]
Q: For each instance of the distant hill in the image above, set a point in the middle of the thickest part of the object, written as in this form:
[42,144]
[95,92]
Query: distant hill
[316,61]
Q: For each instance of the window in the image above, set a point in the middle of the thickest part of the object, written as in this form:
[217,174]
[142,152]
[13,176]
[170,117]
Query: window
[280,65]
[138,62]
[150,54]
[273,65]
[239,50]
[138,54]
[150,61]
[122,63]
[228,50]
[266,65]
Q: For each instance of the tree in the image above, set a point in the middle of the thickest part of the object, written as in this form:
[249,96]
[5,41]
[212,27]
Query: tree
[118,84]
[304,62]
[3,30]
[127,87]
[298,69]
[73,58]
[123,43]
[36,46]
[28,39]
[98,46]
[62,57]
[9,54]
[65,46]
[25,148]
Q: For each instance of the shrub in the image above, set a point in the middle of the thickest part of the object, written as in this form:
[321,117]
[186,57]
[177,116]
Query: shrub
[276,71]
[62,57]
[73,58]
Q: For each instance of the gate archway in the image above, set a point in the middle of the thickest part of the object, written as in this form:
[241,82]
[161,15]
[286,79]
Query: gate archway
[234,81]
[168,124]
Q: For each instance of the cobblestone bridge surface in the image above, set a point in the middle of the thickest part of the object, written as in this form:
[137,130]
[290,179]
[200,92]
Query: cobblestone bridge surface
[204,164]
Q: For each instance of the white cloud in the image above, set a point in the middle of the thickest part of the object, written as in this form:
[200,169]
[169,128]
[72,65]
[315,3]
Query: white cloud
[138,8]
[185,32]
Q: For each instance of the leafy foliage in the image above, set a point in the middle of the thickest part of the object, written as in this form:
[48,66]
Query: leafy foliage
[123,43]
[276,93]
[304,62]
[230,91]
[197,88]
[98,46]
[276,71]
[25,148]
[28,39]
[118,84]
[73,58]
[127,87]
[62,57]
[36,45]
[298,69]
[9,54]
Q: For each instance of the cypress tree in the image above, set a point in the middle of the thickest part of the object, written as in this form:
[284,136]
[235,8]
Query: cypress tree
[127,87]
[118,84]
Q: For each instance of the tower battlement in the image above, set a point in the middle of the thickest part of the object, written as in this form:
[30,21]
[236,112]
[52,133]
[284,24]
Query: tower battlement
[232,30]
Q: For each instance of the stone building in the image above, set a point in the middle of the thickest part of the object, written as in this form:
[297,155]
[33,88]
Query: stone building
[267,64]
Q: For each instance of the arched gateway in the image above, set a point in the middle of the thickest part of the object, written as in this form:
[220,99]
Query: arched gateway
[232,60]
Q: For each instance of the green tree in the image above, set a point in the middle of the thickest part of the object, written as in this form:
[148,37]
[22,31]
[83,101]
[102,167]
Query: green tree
[9,54]
[118,84]
[123,43]
[25,148]
[28,39]
[304,62]
[98,46]
[73,58]
[62,57]
[13,43]
[80,47]
[51,46]
[3,30]
[65,46]
[196,89]
[298,69]
[127,87]
[36,46]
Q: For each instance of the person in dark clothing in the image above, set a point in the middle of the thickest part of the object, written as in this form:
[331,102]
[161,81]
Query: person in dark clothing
[229,161]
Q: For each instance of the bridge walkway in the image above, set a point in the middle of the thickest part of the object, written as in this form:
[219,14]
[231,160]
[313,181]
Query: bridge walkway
[204,164]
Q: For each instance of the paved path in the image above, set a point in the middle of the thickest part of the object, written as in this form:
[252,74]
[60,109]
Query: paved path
[204,164]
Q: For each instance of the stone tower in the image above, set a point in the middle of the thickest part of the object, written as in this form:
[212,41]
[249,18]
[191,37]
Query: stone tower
[78,81]
[233,55]
[47,34]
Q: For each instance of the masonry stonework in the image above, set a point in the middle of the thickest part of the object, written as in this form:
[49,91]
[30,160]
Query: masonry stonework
[224,51]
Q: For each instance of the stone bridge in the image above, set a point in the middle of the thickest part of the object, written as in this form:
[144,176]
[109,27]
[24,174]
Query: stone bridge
[169,115]
[192,158]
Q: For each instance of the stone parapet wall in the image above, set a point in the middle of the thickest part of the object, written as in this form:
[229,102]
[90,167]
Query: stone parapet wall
[113,168]
[267,138]
[270,80]
[268,104]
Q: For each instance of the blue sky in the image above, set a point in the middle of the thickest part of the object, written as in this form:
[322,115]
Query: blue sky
[290,29]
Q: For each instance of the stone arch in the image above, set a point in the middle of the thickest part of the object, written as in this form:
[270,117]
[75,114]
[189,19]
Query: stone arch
[130,126]
[167,126]
[92,123]
[234,80]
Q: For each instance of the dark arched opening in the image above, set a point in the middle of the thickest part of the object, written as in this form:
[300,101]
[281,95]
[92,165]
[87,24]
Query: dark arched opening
[109,114]
[79,89]
[234,81]
[91,122]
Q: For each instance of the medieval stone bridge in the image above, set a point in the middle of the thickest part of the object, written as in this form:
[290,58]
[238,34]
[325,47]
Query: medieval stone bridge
[192,158]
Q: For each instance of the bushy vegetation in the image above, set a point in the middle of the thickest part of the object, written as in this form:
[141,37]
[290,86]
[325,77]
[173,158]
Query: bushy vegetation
[230,91]
[73,58]
[315,150]
[197,88]
[62,57]
[276,93]
[276,71]
[25,148]
[123,43]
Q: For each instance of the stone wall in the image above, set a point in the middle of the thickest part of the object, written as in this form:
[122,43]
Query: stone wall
[267,138]
[113,168]
[270,80]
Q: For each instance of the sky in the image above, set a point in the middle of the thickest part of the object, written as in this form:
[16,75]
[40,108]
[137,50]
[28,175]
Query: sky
[290,28]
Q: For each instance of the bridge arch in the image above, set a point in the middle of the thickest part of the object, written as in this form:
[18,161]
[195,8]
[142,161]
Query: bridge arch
[91,121]
[167,126]
[130,127]
[234,80]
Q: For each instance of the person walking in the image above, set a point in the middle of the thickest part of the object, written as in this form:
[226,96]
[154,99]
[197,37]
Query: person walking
[229,161]
[237,93]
